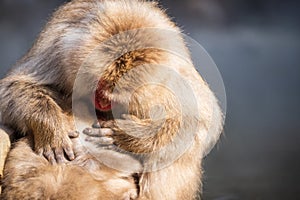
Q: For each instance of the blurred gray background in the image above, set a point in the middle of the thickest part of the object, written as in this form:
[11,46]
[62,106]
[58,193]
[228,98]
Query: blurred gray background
[255,44]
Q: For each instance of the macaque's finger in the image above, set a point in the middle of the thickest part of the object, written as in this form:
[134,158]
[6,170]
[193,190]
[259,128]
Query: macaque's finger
[98,132]
[96,124]
[77,147]
[69,152]
[107,124]
[106,140]
[73,134]
[59,155]
[100,140]
[92,132]
[49,155]
[106,132]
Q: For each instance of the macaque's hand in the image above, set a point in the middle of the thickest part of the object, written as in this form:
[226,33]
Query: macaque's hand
[129,133]
[129,125]
[101,137]
[57,148]
[116,134]
[133,134]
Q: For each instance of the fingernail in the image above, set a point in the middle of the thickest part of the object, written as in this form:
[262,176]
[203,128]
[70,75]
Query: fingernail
[87,131]
[96,125]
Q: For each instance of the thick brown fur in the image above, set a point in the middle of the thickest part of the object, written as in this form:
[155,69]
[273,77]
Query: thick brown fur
[29,176]
[37,93]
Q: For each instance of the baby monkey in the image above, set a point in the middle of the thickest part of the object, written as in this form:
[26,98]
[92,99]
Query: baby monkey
[29,176]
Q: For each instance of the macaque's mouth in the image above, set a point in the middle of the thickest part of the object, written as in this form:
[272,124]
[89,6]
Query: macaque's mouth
[101,102]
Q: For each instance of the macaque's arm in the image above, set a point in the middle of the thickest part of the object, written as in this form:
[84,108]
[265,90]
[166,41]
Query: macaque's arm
[142,135]
[29,107]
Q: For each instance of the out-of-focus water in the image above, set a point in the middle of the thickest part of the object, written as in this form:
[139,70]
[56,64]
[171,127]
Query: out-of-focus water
[258,56]
[258,156]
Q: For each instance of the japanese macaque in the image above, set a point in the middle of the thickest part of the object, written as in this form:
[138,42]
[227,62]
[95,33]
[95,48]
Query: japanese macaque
[131,62]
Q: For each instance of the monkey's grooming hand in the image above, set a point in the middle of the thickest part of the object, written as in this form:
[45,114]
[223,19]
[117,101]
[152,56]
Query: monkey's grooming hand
[101,137]
[57,148]
[126,123]
[106,134]
[130,125]
[132,134]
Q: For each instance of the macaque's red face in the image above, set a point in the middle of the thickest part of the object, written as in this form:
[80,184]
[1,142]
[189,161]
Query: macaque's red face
[101,102]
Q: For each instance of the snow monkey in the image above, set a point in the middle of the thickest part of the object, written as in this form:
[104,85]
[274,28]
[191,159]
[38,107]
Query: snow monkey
[130,60]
